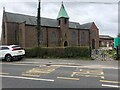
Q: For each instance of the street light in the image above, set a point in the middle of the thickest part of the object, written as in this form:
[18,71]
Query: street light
[39,24]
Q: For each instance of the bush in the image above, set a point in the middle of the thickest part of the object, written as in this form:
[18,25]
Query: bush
[68,52]
[77,52]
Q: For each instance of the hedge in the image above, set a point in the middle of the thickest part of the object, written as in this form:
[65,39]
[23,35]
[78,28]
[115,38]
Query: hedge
[68,52]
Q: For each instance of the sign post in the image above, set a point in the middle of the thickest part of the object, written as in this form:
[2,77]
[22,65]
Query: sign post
[116,45]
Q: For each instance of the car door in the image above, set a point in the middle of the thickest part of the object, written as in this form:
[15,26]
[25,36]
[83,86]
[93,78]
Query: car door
[0,53]
[4,51]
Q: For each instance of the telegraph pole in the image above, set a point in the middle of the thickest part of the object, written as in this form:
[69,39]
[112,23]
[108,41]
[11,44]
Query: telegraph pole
[39,25]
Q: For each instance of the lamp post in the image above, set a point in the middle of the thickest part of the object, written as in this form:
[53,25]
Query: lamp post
[117,50]
[90,43]
[39,25]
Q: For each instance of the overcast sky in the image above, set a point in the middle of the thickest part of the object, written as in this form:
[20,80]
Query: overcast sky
[104,13]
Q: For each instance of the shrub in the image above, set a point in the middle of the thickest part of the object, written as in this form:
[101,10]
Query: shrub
[68,52]
[77,52]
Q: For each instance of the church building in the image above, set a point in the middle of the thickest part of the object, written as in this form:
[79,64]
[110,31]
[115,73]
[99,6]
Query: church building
[60,32]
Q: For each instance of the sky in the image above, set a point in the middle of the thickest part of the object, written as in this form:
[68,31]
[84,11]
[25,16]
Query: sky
[103,12]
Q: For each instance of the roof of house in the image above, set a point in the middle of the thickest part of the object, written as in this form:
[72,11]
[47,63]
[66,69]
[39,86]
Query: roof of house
[62,12]
[31,20]
[86,25]
[105,37]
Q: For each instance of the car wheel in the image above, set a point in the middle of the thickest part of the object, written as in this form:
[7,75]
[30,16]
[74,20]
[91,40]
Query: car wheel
[8,58]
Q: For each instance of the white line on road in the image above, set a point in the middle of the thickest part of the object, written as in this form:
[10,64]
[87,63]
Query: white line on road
[18,77]
[28,62]
[109,81]
[20,64]
[115,86]
[68,78]
[3,73]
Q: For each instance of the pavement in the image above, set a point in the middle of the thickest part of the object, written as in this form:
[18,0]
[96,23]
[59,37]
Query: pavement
[73,62]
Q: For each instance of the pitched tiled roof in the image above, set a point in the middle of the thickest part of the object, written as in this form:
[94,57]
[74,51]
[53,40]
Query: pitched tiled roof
[31,20]
[86,25]
[105,36]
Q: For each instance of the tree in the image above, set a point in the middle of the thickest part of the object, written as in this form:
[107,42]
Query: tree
[118,34]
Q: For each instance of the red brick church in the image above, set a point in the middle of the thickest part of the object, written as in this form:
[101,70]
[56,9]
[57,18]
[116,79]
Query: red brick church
[60,32]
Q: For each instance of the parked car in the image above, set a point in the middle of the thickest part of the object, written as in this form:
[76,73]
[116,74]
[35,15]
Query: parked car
[11,52]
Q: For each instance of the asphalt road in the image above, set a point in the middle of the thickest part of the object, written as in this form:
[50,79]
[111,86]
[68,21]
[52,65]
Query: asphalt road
[43,73]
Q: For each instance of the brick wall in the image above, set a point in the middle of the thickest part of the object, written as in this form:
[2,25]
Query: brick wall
[30,36]
[104,42]
[73,37]
[27,35]
[64,32]
[86,37]
[94,30]
[11,30]
[22,34]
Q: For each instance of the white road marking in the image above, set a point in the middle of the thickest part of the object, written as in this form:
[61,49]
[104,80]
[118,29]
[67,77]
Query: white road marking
[68,78]
[73,74]
[27,78]
[80,69]
[3,73]
[109,81]
[28,62]
[115,86]
[21,64]
[102,77]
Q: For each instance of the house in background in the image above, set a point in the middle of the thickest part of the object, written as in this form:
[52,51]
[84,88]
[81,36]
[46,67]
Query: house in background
[21,29]
[106,41]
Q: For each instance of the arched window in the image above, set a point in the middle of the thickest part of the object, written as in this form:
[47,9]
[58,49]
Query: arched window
[58,22]
[65,20]
[74,38]
[53,37]
[83,39]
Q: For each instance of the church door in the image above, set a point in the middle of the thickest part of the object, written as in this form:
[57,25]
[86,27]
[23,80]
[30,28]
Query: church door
[65,44]
[93,43]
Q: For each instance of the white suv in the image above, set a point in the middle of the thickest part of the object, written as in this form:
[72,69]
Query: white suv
[11,52]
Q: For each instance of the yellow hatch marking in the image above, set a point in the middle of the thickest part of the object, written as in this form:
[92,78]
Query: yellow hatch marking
[89,73]
[38,71]
[30,75]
